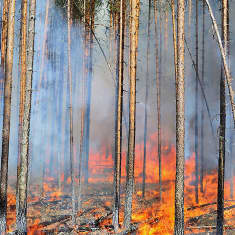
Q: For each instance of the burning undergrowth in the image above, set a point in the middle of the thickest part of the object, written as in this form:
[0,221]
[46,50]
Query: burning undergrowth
[49,204]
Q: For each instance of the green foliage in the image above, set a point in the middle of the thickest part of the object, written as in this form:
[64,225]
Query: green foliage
[78,7]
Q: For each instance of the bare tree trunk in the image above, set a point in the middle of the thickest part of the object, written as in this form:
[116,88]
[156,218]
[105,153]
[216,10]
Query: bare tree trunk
[89,84]
[6,116]
[189,16]
[231,166]
[84,84]
[119,112]
[222,136]
[146,102]
[225,65]
[159,105]
[202,111]
[4,32]
[231,124]
[45,35]
[180,126]
[71,145]
[23,60]
[174,36]
[196,112]
[24,12]
[134,26]
[22,177]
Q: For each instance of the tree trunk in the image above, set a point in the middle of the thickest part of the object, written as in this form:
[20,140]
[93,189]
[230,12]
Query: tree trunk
[231,166]
[146,102]
[22,59]
[45,35]
[6,116]
[180,126]
[89,84]
[22,177]
[118,119]
[158,85]
[71,145]
[134,27]
[87,29]
[174,37]
[189,16]
[202,111]
[222,136]
[196,112]
[4,32]
[225,64]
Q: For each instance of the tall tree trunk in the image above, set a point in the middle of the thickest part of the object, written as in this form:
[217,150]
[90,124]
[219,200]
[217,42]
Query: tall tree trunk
[174,37]
[119,112]
[4,32]
[225,64]
[7,116]
[44,44]
[84,85]
[134,27]
[71,145]
[146,102]
[196,112]
[222,136]
[189,16]
[24,12]
[158,84]
[180,126]
[202,111]
[231,124]
[22,177]
[231,165]
[89,84]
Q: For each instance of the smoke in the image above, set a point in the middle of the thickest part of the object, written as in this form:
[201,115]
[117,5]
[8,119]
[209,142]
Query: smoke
[50,105]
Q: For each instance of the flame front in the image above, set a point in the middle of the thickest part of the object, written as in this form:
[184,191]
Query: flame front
[151,215]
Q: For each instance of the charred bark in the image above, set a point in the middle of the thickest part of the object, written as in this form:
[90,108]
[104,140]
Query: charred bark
[222,132]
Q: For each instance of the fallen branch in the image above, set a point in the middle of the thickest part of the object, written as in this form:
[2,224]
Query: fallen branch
[209,227]
[205,205]
[197,218]
[226,68]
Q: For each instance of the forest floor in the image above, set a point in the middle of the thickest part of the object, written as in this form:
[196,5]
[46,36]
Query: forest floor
[51,213]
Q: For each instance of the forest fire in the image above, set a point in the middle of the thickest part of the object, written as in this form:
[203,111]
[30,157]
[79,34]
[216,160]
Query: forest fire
[107,127]
[150,215]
